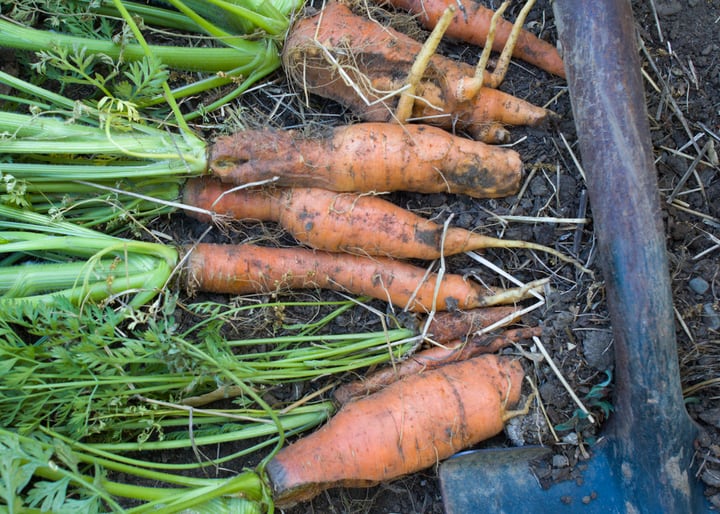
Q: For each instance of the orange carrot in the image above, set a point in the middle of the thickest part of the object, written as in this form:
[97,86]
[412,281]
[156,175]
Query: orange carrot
[431,358]
[344,222]
[367,157]
[408,426]
[471,24]
[358,63]
[449,326]
[245,269]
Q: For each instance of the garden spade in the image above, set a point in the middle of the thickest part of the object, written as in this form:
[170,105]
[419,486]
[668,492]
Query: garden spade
[643,462]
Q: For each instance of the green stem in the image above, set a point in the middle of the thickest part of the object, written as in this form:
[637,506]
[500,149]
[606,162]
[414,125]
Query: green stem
[247,484]
[116,461]
[50,135]
[249,391]
[209,60]
[276,424]
[149,53]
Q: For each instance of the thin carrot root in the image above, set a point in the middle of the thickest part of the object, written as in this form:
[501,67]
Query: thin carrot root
[417,71]
[508,415]
[469,88]
[366,157]
[489,40]
[345,222]
[363,65]
[406,427]
[431,358]
[247,269]
[498,74]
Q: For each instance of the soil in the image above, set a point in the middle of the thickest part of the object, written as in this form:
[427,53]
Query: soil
[681,64]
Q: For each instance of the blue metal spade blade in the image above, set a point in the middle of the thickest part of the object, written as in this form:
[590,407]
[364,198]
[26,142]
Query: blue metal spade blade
[644,463]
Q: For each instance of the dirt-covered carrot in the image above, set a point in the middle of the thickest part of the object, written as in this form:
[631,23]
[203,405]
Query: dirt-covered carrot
[445,327]
[432,358]
[363,65]
[471,24]
[366,157]
[406,427]
[246,269]
[344,222]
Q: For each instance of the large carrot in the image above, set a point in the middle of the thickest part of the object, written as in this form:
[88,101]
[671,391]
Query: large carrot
[366,157]
[245,269]
[432,358]
[471,24]
[344,222]
[408,426]
[362,65]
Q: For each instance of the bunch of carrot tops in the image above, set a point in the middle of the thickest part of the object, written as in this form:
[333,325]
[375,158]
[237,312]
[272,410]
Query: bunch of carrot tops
[73,166]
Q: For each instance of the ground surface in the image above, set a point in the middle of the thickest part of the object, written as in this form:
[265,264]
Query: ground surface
[681,61]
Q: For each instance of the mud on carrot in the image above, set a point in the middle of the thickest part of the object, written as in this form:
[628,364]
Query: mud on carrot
[344,222]
[369,157]
[363,65]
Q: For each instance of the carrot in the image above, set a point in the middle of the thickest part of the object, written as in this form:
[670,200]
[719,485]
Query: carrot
[431,358]
[406,427]
[368,157]
[471,24]
[245,269]
[449,326]
[361,64]
[344,222]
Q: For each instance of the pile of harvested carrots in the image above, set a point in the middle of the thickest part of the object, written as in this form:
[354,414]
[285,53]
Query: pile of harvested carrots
[321,190]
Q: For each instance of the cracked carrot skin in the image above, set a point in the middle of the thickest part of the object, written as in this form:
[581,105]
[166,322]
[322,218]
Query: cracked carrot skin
[377,59]
[338,222]
[471,24]
[367,157]
[406,427]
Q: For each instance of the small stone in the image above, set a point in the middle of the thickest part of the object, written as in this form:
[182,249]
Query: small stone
[693,3]
[668,8]
[538,187]
[571,438]
[699,285]
[597,349]
[712,317]
[711,417]
[715,500]
[560,461]
[711,477]
[465,220]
